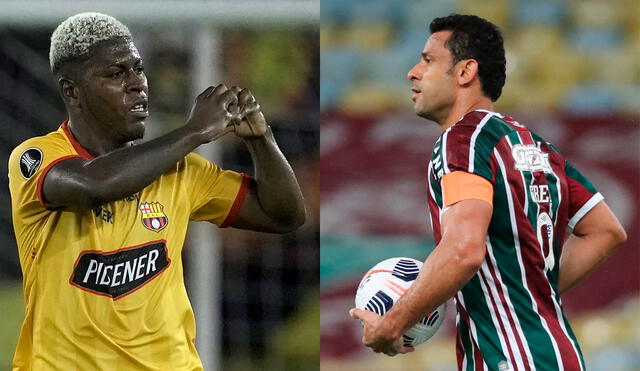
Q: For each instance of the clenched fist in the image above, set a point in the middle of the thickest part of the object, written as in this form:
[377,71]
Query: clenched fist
[210,116]
[250,122]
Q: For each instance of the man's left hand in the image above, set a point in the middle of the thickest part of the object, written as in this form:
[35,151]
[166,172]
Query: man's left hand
[253,123]
[374,335]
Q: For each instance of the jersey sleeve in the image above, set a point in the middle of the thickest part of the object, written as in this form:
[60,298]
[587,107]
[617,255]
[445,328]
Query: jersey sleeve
[216,195]
[583,196]
[468,148]
[28,165]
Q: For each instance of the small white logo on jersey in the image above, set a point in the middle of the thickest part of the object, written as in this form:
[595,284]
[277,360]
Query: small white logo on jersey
[530,158]
[504,366]
[30,162]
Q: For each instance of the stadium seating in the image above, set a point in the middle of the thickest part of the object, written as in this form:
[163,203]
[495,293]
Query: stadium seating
[580,55]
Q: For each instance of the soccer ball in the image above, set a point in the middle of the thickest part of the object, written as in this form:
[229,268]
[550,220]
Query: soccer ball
[385,283]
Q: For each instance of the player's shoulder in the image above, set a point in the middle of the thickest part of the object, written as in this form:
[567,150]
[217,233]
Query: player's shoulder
[53,139]
[194,163]
[193,159]
[35,148]
[480,126]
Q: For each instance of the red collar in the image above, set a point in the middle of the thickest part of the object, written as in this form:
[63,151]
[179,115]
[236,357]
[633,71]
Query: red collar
[77,146]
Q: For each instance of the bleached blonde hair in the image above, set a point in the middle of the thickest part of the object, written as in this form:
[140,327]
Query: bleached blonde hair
[75,35]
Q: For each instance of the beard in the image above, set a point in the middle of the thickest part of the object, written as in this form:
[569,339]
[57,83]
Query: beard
[430,112]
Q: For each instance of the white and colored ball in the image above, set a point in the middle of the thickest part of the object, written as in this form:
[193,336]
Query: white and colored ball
[385,283]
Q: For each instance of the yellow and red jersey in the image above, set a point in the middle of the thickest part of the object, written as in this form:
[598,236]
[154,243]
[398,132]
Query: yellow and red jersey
[104,288]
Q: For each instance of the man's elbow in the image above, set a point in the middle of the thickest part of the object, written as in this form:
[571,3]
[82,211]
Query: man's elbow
[293,222]
[97,194]
[473,262]
[471,255]
[618,235]
[84,196]
[301,218]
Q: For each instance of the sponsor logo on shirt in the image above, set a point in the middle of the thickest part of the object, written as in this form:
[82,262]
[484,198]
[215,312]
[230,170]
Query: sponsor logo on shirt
[133,197]
[530,158]
[153,218]
[539,193]
[30,161]
[119,273]
[104,214]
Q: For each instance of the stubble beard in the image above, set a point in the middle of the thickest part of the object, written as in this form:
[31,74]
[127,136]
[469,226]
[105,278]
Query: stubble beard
[428,113]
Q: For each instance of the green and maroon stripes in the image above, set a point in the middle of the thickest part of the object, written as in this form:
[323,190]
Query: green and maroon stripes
[434,202]
[535,280]
[510,310]
[467,145]
[474,356]
[519,258]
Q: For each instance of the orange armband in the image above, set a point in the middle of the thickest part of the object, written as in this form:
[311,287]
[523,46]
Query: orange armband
[460,185]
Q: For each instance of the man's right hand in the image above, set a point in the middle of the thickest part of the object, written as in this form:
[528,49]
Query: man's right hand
[375,337]
[210,116]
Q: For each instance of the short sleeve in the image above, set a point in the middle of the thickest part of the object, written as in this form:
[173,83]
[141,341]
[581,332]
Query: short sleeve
[216,195]
[468,148]
[583,196]
[28,165]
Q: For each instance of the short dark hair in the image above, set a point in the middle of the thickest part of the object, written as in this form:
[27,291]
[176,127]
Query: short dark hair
[476,38]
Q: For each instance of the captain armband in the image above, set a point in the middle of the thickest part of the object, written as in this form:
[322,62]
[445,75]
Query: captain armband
[460,185]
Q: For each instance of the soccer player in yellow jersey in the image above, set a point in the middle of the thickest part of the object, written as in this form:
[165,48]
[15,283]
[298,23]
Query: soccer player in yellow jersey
[100,223]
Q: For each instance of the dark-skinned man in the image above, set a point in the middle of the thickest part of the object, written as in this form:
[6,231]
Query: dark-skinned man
[100,222]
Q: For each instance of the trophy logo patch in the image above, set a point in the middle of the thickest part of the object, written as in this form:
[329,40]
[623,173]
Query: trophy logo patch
[30,161]
[153,217]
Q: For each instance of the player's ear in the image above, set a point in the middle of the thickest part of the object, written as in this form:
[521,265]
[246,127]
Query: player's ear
[468,69]
[68,90]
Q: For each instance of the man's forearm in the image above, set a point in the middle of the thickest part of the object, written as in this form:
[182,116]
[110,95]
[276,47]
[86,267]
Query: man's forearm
[593,239]
[444,273]
[582,255]
[277,189]
[125,171]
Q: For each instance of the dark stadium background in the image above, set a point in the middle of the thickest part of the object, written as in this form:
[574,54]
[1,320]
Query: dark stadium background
[265,287]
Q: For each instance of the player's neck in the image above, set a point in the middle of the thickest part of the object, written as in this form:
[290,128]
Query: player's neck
[462,107]
[91,138]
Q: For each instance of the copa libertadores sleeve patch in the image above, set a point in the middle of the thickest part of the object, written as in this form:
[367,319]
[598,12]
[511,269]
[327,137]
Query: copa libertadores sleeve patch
[119,273]
[30,161]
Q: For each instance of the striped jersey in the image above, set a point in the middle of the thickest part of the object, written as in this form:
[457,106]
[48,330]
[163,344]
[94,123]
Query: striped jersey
[509,313]
[104,288]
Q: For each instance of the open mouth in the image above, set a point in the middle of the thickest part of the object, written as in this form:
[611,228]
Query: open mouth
[139,109]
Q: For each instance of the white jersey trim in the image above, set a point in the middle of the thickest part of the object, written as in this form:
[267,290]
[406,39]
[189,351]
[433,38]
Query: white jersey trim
[443,150]
[593,201]
[474,136]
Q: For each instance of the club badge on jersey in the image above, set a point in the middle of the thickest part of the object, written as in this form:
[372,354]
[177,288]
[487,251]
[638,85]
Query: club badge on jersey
[153,217]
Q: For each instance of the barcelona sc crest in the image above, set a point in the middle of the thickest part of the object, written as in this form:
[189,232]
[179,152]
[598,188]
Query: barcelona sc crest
[153,217]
